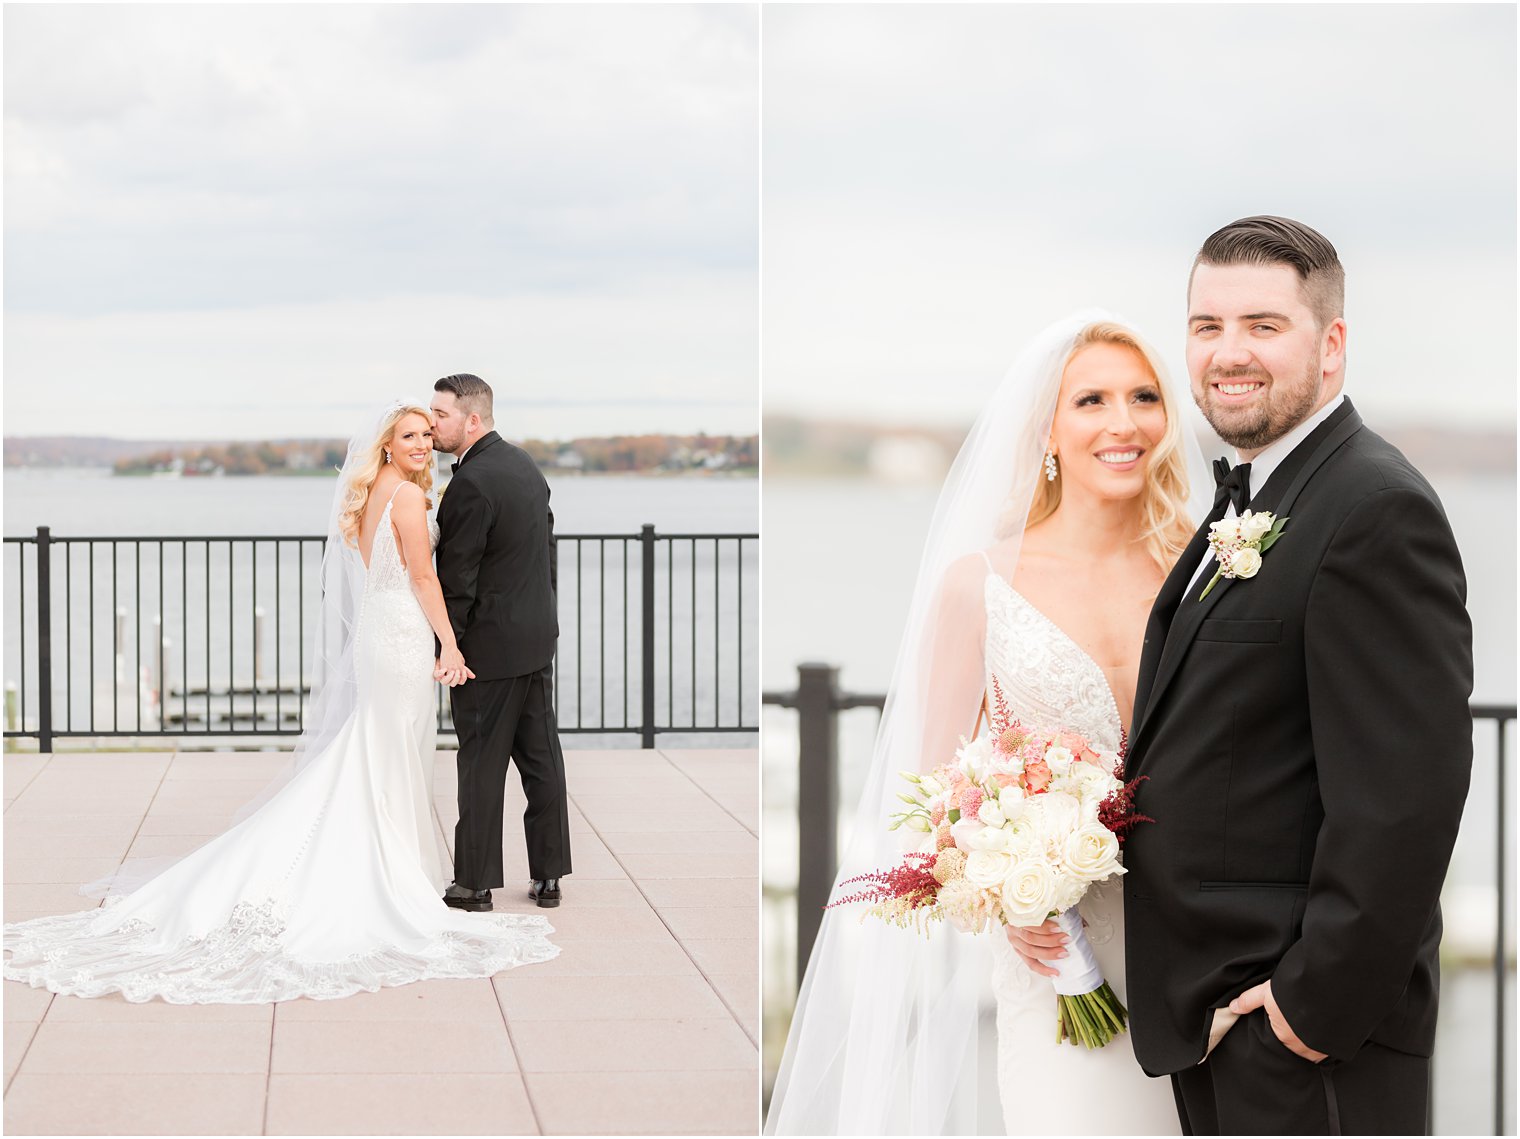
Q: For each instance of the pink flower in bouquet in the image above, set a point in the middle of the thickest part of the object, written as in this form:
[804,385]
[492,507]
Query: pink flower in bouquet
[943,839]
[1005,779]
[970,802]
[1037,774]
[937,813]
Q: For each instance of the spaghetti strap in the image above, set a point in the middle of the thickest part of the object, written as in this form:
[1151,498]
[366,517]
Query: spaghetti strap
[394,489]
[988,560]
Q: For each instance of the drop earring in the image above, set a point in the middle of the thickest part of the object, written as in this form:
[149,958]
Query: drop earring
[388,459]
[1050,466]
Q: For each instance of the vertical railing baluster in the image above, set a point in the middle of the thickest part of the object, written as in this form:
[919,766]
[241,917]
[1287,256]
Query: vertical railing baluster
[137,624]
[692,676]
[717,626]
[68,636]
[646,546]
[115,645]
[1500,956]
[601,627]
[817,798]
[44,640]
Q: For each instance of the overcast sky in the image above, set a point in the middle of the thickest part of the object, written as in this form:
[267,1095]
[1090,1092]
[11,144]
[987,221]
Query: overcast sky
[241,221]
[941,182]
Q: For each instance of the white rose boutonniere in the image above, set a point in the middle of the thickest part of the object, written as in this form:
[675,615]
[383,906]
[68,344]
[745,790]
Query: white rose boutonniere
[1239,543]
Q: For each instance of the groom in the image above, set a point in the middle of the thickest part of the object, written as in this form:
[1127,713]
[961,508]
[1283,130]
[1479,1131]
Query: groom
[496,565]
[1303,732]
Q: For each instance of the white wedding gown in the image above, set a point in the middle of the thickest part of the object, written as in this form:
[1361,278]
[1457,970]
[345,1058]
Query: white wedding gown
[1047,1087]
[330,888]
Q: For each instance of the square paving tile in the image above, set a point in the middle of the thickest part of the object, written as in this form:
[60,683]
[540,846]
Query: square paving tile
[24,1003]
[378,1047]
[18,1036]
[699,844]
[113,1008]
[663,892]
[137,1104]
[712,921]
[615,959]
[86,1049]
[440,1001]
[648,1103]
[559,999]
[625,923]
[442,1104]
[696,1044]
[693,864]
[724,954]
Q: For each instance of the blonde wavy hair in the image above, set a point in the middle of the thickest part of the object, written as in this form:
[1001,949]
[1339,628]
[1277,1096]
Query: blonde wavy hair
[367,469]
[1167,529]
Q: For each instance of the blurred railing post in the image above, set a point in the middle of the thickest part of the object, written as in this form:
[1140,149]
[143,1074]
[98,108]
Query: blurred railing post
[646,685]
[44,639]
[817,702]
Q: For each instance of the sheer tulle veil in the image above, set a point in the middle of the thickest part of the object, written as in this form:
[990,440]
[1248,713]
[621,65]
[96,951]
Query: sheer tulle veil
[334,685]
[886,1036]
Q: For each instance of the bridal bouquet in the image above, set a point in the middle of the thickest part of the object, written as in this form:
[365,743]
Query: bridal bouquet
[1023,821]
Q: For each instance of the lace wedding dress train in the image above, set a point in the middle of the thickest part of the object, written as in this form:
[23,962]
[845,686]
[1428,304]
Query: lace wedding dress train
[332,887]
[1050,1088]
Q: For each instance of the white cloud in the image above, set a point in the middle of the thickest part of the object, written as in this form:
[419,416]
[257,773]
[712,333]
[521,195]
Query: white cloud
[543,169]
[942,182]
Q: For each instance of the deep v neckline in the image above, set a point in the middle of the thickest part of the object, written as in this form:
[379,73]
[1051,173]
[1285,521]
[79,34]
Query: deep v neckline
[1097,668]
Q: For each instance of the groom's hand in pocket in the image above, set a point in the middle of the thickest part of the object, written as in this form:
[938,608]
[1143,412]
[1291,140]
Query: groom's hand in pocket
[1038,944]
[1260,996]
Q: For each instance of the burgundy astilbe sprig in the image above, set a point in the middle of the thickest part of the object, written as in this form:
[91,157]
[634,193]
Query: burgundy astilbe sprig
[912,882]
[1117,812]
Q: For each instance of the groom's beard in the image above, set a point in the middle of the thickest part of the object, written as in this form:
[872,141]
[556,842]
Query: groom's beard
[1281,409]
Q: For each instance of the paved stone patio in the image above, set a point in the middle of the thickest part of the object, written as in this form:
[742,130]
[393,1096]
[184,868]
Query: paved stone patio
[646,1023]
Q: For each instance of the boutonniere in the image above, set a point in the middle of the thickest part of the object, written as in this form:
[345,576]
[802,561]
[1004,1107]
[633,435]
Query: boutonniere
[1239,543]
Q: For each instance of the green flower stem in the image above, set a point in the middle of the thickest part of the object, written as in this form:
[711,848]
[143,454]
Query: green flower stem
[1091,1019]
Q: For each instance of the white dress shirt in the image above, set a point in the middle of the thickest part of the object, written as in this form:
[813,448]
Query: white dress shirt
[1264,465]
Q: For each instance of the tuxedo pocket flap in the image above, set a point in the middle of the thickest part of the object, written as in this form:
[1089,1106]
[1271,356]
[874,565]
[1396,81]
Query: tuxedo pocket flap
[1253,632]
[1253,885]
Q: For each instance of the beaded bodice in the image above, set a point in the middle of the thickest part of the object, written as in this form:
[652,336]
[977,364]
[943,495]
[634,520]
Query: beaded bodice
[1046,677]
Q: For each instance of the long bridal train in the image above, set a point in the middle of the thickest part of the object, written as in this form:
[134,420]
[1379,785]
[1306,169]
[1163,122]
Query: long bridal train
[332,887]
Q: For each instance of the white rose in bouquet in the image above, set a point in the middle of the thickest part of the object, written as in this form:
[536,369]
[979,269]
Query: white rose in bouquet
[1058,759]
[990,838]
[1091,853]
[1012,801]
[1069,892]
[986,869]
[1029,892]
[990,814]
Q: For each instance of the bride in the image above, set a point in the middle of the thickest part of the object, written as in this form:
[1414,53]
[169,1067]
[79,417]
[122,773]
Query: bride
[1058,522]
[331,882]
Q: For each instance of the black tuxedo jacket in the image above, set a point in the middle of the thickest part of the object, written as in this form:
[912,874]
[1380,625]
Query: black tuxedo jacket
[496,561]
[1306,742]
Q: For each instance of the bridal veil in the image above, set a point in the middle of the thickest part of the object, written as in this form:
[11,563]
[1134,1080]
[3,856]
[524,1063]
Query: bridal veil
[887,1036]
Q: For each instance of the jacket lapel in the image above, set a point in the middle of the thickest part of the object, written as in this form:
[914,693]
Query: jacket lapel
[1178,620]
[489,439]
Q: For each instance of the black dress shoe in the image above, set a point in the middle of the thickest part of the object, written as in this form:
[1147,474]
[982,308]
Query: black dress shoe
[461,899]
[545,891]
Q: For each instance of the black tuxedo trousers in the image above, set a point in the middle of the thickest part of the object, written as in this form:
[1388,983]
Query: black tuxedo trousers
[1305,743]
[498,719]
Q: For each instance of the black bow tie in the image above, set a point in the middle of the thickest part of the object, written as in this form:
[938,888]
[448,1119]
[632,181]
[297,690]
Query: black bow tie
[1232,483]
[453,467]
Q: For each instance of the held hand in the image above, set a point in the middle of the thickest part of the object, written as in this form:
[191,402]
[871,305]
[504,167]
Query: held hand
[1260,996]
[454,671]
[1038,944]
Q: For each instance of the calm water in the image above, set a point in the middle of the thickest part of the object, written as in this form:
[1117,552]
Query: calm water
[706,615]
[839,565]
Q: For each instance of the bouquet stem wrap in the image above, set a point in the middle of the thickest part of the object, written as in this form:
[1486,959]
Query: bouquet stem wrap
[1089,1011]
[1077,972]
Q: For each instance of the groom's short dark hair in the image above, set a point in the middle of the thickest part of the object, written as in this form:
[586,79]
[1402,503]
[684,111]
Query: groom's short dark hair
[472,394]
[1267,240]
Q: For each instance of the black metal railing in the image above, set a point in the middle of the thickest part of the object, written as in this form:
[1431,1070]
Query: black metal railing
[212,636]
[818,700]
